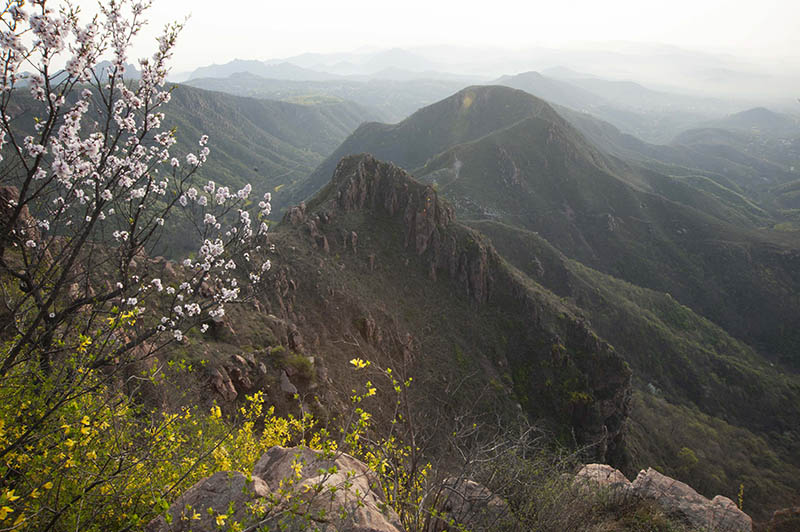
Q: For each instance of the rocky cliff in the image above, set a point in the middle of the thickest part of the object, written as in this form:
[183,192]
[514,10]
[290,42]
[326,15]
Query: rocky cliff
[375,221]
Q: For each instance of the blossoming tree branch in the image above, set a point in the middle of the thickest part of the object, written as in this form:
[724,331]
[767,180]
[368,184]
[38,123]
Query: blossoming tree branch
[90,187]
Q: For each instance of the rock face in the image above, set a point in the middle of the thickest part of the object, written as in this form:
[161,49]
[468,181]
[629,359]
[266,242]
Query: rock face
[364,183]
[677,499]
[328,493]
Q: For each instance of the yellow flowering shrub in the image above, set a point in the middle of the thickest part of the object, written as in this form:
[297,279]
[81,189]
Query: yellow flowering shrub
[79,454]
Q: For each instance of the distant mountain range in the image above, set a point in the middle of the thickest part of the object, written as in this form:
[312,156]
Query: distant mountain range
[395,64]
[653,116]
[663,68]
[391,100]
[285,71]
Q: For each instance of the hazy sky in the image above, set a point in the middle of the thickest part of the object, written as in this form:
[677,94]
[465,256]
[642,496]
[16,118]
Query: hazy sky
[219,31]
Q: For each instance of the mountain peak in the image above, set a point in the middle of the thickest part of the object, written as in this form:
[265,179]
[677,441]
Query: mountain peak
[363,183]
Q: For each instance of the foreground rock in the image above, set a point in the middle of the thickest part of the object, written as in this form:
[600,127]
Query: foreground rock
[603,475]
[677,499]
[291,489]
[199,508]
[465,501]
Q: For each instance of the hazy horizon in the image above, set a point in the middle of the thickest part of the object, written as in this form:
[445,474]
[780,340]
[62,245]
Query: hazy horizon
[263,31]
[701,46]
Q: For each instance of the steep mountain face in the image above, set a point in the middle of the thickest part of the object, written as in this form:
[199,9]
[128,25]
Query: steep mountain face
[264,142]
[464,308]
[685,367]
[712,303]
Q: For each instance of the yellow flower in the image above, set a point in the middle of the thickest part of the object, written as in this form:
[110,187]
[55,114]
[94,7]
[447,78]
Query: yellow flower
[221,519]
[91,455]
[35,494]
[195,515]
[48,485]
[359,363]
[10,496]
[4,511]
[85,343]
[69,443]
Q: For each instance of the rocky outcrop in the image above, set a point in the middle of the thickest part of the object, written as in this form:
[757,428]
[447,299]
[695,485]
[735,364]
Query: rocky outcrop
[604,476]
[291,489]
[363,183]
[678,500]
[681,501]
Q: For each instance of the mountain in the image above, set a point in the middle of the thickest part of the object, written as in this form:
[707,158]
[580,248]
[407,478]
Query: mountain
[762,121]
[502,154]
[468,115]
[392,100]
[696,387]
[409,281]
[555,91]
[267,143]
[284,70]
[380,266]
[650,115]
[632,95]
[739,165]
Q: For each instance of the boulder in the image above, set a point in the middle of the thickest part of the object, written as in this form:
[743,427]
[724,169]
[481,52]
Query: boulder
[470,504]
[201,507]
[221,381]
[340,493]
[604,476]
[293,489]
[681,501]
[286,385]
